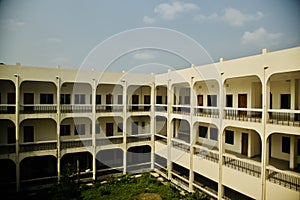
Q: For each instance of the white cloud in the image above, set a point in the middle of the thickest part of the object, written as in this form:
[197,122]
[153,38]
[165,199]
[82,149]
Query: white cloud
[231,16]
[235,17]
[260,37]
[143,56]
[148,20]
[11,23]
[169,11]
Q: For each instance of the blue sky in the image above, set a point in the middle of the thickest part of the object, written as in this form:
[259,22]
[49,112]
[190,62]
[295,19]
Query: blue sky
[64,32]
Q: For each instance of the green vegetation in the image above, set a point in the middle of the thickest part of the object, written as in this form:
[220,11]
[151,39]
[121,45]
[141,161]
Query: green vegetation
[126,187]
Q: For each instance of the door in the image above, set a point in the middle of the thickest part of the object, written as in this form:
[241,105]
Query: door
[11,99]
[109,129]
[147,101]
[28,132]
[28,99]
[135,101]
[134,128]
[245,144]
[242,103]
[109,102]
[200,102]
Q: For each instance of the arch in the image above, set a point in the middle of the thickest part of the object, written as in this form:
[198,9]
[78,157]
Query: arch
[181,129]
[137,125]
[109,126]
[207,134]
[81,126]
[138,157]
[110,158]
[71,162]
[7,131]
[161,125]
[38,167]
[7,172]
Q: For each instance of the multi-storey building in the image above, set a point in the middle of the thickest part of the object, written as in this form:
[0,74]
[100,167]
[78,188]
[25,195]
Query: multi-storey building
[230,129]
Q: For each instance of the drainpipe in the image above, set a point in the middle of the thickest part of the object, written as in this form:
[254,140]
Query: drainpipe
[94,144]
[124,126]
[58,127]
[152,126]
[17,126]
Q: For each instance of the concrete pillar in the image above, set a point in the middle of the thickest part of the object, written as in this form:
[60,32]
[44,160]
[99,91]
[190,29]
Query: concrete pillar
[17,126]
[124,126]
[94,143]
[293,153]
[152,124]
[192,137]
[169,129]
[58,113]
[293,97]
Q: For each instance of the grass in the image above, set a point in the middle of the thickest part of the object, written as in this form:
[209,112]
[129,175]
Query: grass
[124,188]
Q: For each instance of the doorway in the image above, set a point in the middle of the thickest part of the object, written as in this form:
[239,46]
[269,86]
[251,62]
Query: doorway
[109,129]
[242,103]
[245,144]
[147,101]
[28,99]
[135,101]
[109,102]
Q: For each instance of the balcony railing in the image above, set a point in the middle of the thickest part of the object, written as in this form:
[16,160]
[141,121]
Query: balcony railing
[138,138]
[109,108]
[38,146]
[247,166]
[78,108]
[139,107]
[284,117]
[286,179]
[7,148]
[204,111]
[37,108]
[161,107]
[161,138]
[181,109]
[7,109]
[207,154]
[183,136]
[183,146]
[65,144]
[243,114]
[109,140]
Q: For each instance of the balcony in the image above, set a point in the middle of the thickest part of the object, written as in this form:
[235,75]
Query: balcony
[138,138]
[37,108]
[181,109]
[183,146]
[38,146]
[287,179]
[243,114]
[139,107]
[284,117]
[77,143]
[78,108]
[7,148]
[203,111]
[7,109]
[109,140]
[161,108]
[244,165]
[109,108]
[207,154]
[161,138]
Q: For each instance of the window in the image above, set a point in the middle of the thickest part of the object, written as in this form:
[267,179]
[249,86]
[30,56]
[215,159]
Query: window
[285,101]
[229,137]
[79,98]
[28,132]
[229,100]
[158,99]
[120,127]
[203,131]
[285,146]
[214,134]
[120,99]
[46,98]
[65,130]
[98,99]
[65,99]
[212,100]
[79,129]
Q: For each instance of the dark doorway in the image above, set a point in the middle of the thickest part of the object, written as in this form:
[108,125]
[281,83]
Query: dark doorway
[245,144]
[285,101]
[11,99]
[147,101]
[135,101]
[242,103]
[28,133]
[229,101]
[28,99]
[109,102]
[109,129]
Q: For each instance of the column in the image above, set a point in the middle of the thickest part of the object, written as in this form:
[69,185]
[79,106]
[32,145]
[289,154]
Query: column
[169,129]
[293,97]
[293,153]
[192,137]
[124,127]
[17,126]
[152,124]
[94,143]
[58,84]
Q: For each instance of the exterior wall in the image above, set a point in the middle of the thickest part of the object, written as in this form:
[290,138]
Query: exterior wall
[78,88]
[6,87]
[140,120]
[205,88]
[38,88]
[104,90]
[44,129]
[72,122]
[104,120]
[277,88]
[162,91]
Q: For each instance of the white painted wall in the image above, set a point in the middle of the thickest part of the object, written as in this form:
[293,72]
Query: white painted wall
[44,129]
[37,88]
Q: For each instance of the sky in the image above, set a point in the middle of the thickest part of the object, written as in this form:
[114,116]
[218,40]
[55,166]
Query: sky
[121,35]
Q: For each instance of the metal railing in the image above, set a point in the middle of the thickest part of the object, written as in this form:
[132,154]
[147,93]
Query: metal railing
[251,168]
[183,146]
[161,107]
[287,179]
[76,108]
[109,140]
[139,107]
[7,109]
[181,109]
[7,148]
[161,138]
[243,114]
[284,117]
[207,154]
[204,111]
[37,108]
[38,146]
[109,108]
[76,143]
